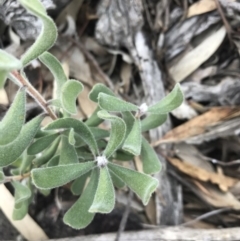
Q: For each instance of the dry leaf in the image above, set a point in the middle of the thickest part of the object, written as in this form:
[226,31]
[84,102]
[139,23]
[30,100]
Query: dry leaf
[193,59]
[201,7]
[222,181]
[200,125]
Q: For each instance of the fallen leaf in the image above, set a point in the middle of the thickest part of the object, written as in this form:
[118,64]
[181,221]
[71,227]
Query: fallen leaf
[204,124]
[201,7]
[222,181]
[193,59]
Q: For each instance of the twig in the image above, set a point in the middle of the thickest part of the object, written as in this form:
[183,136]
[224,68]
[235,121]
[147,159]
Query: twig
[16,178]
[35,94]
[125,216]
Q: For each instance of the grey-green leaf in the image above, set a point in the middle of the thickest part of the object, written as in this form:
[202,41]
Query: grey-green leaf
[94,120]
[56,69]
[78,216]
[8,62]
[51,177]
[54,161]
[170,102]
[142,184]
[68,153]
[153,121]
[99,88]
[12,151]
[129,120]
[47,154]
[14,119]
[71,138]
[112,103]
[78,127]
[78,184]
[104,199]
[117,182]
[48,35]
[118,130]
[70,91]
[133,141]
[150,160]
[41,144]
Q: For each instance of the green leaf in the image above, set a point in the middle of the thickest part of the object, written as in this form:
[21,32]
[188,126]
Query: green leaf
[41,144]
[94,120]
[78,184]
[84,154]
[14,119]
[142,184]
[56,69]
[151,163]
[133,141]
[121,155]
[68,153]
[8,62]
[99,133]
[112,103]
[99,88]
[48,35]
[79,127]
[153,121]
[21,196]
[78,216]
[51,177]
[104,199]
[47,154]
[117,182]
[70,91]
[25,163]
[129,120]
[3,77]
[118,130]
[12,151]
[71,138]
[170,102]
[54,161]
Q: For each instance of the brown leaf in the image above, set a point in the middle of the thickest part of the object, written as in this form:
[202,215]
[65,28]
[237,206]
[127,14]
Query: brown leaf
[191,130]
[222,181]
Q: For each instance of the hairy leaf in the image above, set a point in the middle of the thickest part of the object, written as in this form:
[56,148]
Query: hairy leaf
[48,35]
[117,182]
[118,130]
[56,69]
[70,91]
[78,184]
[68,153]
[99,88]
[129,120]
[12,151]
[153,121]
[25,163]
[94,120]
[54,161]
[142,184]
[133,141]
[112,103]
[78,216]
[79,127]
[170,102]
[14,119]
[121,155]
[47,154]
[104,199]
[41,144]
[71,138]
[51,177]
[150,160]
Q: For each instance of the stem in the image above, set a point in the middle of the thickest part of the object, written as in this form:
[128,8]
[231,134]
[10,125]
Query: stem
[35,94]
[16,178]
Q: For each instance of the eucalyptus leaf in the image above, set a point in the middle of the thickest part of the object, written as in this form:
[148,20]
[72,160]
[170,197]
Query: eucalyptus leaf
[56,69]
[153,121]
[78,184]
[47,154]
[118,130]
[14,119]
[68,154]
[104,199]
[170,102]
[48,34]
[12,151]
[133,141]
[41,144]
[51,177]
[140,183]
[150,160]
[99,88]
[112,103]
[54,161]
[78,216]
[70,91]
[79,127]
